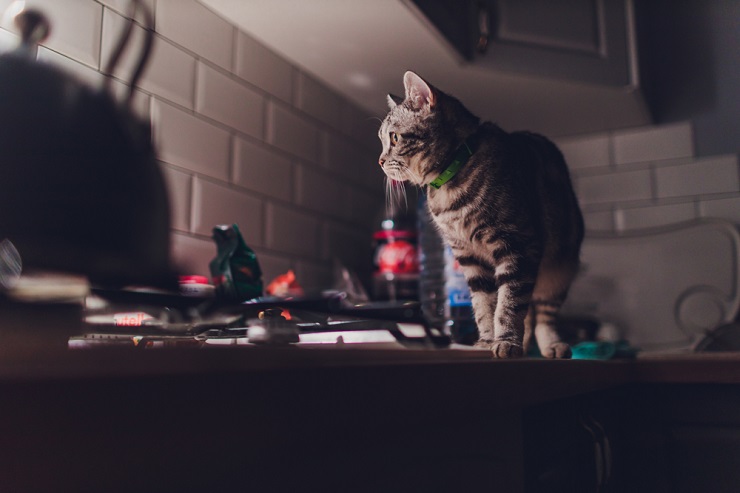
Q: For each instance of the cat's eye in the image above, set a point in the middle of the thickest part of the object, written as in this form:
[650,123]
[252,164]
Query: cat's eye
[394,138]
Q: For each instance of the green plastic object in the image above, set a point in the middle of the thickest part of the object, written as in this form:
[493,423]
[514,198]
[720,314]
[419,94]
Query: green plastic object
[235,271]
[594,350]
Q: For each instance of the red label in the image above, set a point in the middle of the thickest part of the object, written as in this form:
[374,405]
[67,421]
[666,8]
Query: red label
[398,257]
[134,319]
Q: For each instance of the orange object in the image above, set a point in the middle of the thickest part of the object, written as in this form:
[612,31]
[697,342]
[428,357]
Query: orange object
[285,285]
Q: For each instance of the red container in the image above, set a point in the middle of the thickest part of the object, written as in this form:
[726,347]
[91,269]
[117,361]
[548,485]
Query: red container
[395,265]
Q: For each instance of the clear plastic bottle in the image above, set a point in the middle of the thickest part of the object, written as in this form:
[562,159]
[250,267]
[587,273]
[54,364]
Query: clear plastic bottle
[443,291]
[460,322]
[431,268]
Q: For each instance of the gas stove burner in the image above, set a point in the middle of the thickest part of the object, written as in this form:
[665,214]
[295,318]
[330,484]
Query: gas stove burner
[153,319]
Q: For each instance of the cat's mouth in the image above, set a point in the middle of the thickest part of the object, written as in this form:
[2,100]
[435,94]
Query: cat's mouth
[395,170]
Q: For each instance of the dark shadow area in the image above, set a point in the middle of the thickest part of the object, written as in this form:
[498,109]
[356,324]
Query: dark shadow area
[690,67]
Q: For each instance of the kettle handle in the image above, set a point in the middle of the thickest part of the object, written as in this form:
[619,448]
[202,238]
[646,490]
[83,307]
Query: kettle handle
[32,25]
[148,20]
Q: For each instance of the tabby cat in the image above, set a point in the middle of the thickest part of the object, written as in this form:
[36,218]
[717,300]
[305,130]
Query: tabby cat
[502,201]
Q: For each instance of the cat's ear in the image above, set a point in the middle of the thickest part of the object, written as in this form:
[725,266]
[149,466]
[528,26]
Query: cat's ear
[394,101]
[419,91]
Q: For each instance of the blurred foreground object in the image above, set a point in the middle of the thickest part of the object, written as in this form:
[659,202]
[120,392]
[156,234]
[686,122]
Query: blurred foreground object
[235,270]
[80,188]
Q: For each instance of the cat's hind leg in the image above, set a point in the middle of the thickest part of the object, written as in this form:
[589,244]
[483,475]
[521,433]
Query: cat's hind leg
[549,294]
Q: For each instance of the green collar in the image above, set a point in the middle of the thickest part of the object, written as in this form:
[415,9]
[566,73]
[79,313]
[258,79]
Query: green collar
[460,157]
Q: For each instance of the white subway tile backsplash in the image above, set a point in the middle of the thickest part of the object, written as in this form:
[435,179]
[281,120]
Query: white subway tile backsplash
[318,101]
[351,162]
[262,170]
[124,6]
[215,204]
[585,152]
[292,133]
[614,187]
[272,265]
[361,127]
[338,155]
[703,176]
[227,101]
[191,255]
[8,41]
[191,25]
[314,276]
[351,247]
[170,72]
[82,72]
[186,141]
[660,215]
[727,208]
[365,208]
[371,176]
[321,193]
[179,190]
[653,143]
[291,231]
[140,105]
[75,27]
[262,67]
[599,220]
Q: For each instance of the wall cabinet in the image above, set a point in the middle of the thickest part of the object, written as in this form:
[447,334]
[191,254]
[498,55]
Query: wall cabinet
[588,41]
[557,67]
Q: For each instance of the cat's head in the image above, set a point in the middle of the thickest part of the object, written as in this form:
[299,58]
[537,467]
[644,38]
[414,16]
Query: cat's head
[420,130]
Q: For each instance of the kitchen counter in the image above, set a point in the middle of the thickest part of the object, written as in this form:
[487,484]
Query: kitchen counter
[574,375]
[297,418]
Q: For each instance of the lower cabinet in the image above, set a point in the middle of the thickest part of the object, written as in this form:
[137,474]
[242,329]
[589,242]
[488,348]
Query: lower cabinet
[642,438]
[575,445]
[686,438]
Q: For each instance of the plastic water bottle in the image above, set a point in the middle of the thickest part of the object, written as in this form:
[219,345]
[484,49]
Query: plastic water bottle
[443,291]
[460,322]
[431,268]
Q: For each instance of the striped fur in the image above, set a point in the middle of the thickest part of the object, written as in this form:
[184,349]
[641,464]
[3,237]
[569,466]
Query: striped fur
[510,214]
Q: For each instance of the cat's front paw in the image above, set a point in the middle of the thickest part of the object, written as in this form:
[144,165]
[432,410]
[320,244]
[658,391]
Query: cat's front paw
[502,349]
[557,350]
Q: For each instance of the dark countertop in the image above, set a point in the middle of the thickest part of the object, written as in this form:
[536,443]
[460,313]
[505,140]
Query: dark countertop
[550,378]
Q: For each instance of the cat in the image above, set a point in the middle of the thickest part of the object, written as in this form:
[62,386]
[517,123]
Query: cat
[502,201]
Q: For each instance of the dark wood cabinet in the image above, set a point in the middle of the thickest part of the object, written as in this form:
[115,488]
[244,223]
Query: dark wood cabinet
[573,445]
[287,419]
[585,41]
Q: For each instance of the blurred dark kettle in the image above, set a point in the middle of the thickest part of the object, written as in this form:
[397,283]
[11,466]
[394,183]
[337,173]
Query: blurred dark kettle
[80,188]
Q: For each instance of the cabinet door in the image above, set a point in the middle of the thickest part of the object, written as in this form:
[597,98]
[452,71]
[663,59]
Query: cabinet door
[588,41]
[575,444]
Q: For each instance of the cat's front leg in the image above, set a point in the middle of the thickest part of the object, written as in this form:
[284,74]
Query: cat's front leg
[484,309]
[507,343]
[480,277]
[500,303]
[503,337]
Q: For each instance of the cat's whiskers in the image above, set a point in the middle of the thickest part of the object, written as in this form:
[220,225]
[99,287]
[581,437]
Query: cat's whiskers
[395,195]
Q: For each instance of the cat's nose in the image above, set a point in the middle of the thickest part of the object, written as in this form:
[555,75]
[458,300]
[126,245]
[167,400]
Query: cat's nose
[381,162]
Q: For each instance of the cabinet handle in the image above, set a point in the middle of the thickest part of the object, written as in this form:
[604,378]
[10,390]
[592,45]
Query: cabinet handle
[484,30]
[602,450]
